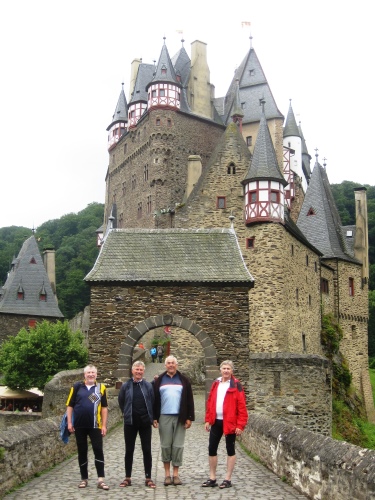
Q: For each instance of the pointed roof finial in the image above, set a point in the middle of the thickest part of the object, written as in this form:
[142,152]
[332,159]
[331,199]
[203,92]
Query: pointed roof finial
[251,41]
[122,83]
[262,102]
[182,42]
[164,38]
[324,162]
[231,218]
[316,153]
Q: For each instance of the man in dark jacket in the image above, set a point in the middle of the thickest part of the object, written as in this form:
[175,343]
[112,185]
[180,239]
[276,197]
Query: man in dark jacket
[136,399]
[173,414]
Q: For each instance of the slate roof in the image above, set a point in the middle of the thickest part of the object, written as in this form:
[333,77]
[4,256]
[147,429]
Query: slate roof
[121,111]
[166,64]
[144,76]
[253,87]
[171,255]
[29,274]
[264,162]
[291,127]
[323,228]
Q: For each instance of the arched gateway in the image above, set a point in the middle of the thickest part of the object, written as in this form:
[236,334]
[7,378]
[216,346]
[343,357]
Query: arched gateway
[192,279]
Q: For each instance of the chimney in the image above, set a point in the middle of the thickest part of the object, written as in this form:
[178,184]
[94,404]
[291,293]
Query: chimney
[49,264]
[361,231]
[194,171]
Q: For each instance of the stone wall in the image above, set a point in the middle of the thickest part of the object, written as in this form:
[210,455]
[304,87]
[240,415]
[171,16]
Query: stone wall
[293,388]
[11,324]
[317,466]
[10,418]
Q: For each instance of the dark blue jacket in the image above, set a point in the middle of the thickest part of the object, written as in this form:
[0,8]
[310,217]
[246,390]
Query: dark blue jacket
[125,400]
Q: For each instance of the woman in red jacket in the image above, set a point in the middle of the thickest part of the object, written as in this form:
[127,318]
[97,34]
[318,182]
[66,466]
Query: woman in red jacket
[226,414]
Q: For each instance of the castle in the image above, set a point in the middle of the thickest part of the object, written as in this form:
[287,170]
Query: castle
[180,160]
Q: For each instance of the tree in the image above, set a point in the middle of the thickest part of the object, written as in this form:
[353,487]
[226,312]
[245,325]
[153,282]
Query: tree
[34,356]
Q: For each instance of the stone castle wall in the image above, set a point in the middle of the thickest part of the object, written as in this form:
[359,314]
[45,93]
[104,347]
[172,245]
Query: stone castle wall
[293,388]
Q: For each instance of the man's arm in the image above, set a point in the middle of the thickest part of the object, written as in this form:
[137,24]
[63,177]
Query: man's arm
[104,415]
[69,416]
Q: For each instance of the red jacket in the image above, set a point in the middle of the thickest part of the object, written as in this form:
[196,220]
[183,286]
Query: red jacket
[234,407]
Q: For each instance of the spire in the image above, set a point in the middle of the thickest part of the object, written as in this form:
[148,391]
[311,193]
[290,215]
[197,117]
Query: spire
[164,70]
[264,162]
[291,127]
[121,111]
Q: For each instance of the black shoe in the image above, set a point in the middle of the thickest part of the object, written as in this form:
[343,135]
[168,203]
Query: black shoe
[210,483]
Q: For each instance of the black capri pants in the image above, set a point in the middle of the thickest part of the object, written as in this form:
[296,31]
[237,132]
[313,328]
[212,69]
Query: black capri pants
[216,433]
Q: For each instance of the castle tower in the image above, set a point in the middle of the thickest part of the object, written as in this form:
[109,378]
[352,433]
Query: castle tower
[264,184]
[165,88]
[119,120]
[292,140]
[237,114]
[138,100]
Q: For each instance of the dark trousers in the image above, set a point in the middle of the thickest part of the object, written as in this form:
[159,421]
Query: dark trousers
[96,439]
[130,435]
[216,433]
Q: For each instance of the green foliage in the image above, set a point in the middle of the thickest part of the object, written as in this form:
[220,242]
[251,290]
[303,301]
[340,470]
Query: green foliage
[33,357]
[331,335]
[11,240]
[2,453]
[74,238]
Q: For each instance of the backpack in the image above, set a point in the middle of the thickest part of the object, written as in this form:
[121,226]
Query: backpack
[160,350]
[153,351]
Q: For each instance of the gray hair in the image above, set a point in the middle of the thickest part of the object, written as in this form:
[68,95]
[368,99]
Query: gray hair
[90,367]
[138,363]
[227,362]
[170,358]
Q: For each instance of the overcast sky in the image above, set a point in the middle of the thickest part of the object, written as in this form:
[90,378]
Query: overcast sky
[62,65]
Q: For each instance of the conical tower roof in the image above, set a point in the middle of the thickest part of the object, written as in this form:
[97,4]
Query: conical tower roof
[319,219]
[264,162]
[29,275]
[164,70]
[291,128]
[144,76]
[121,111]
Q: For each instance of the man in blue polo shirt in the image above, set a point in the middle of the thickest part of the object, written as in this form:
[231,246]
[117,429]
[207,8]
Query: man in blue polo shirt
[173,414]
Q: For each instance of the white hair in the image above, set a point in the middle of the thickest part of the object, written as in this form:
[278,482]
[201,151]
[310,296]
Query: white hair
[170,358]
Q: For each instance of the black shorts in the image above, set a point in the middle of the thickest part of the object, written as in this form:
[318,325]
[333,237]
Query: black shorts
[216,433]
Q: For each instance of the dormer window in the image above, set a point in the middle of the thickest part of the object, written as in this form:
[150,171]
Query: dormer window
[311,211]
[178,77]
[20,293]
[43,296]
[163,70]
[349,234]
[32,260]
[252,72]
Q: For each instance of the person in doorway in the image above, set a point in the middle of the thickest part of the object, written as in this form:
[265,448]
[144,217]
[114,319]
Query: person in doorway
[136,400]
[87,406]
[153,353]
[226,413]
[173,414]
[160,352]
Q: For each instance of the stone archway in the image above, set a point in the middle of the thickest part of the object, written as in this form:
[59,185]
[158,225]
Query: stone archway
[127,347]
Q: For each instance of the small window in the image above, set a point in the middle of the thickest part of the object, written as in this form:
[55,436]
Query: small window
[292,249]
[354,331]
[249,140]
[315,266]
[311,211]
[124,187]
[43,297]
[32,260]
[125,148]
[324,286]
[309,300]
[303,342]
[231,169]
[169,122]
[250,242]
[275,196]
[157,122]
[149,204]
[162,93]
[139,210]
[252,72]
[351,287]
[297,293]
[307,260]
[32,323]
[221,202]
[132,113]
[163,70]
[349,234]
[252,196]
[153,93]
[243,105]
[145,173]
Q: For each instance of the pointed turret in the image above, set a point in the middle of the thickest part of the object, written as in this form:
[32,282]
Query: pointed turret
[319,219]
[165,88]
[119,120]
[264,183]
[138,100]
[292,140]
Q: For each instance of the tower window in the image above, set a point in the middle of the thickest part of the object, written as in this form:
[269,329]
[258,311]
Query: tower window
[145,173]
[309,300]
[125,148]
[221,202]
[250,242]
[351,287]
[157,122]
[121,220]
[275,196]
[311,211]
[315,266]
[252,196]
[252,72]
[243,105]
[303,342]
[161,92]
[169,122]
[307,260]
[249,140]
[231,169]
[43,297]
[139,210]
[153,93]
[163,70]
[133,181]
[124,187]
[32,260]
[149,204]
[292,249]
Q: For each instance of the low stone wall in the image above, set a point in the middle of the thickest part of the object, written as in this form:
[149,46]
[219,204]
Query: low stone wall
[35,447]
[316,465]
[10,418]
